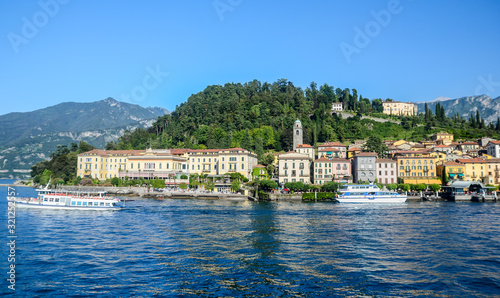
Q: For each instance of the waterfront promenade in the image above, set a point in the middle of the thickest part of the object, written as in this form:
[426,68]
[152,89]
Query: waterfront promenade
[144,192]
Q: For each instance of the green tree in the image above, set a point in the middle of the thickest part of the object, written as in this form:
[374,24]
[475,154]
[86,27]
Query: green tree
[434,187]
[183,185]
[420,187]
[115,181]
[374,144]
[392,186]
[331,186]
[235,185]
[259,147]
[158,183]
[404,187]
[268,185]
[210,185]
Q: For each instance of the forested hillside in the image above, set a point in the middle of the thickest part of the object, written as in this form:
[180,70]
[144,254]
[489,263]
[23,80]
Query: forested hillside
[260,116]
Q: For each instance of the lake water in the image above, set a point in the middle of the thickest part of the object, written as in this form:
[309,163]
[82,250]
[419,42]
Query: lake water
[192,248]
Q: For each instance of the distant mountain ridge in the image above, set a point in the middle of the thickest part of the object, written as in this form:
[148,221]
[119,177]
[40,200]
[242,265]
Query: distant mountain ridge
[489,108]
[26,138]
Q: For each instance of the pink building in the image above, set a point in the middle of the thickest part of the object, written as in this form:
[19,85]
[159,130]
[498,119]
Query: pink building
[386,170]
[335,169]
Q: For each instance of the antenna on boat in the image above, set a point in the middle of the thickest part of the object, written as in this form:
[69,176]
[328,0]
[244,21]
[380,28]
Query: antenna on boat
[48,183]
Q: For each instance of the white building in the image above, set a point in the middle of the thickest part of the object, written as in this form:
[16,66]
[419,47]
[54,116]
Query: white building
[294,167]
[493,148]
[306,149]
[337,106]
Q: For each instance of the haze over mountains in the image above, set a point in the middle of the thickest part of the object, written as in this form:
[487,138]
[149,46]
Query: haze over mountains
[26,138]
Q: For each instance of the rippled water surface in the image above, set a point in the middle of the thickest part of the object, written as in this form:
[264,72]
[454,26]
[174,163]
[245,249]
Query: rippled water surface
[190,248]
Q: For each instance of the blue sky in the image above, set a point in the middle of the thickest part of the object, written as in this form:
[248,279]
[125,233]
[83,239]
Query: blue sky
[158,53]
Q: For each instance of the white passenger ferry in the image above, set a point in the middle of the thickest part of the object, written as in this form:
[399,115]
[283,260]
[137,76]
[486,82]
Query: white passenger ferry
[368,193]
[68,200]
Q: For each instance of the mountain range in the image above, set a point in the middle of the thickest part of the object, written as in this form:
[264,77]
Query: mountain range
[26,138]
[489,108]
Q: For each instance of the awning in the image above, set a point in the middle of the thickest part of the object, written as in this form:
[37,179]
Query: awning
[460,175]
[452,175]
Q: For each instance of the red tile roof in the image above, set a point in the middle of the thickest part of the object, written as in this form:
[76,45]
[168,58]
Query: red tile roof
[332,144]
[367,154]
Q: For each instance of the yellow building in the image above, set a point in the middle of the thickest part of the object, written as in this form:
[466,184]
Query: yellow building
[149,164]
[103,164]
[236,160]
[474,168]
[152,164]
[399,108]
[482,170]
[443,138]
[492,167]
[417,167]
[453,170]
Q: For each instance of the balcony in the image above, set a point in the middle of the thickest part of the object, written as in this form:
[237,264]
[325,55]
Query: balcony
[305,175]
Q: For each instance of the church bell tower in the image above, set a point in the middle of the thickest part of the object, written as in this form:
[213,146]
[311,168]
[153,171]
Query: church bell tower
[297,134]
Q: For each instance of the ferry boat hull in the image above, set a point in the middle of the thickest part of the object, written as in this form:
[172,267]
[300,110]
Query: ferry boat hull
[27,205]
[348,199]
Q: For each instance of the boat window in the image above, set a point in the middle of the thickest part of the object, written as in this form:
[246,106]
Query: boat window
[45,199]
[51,199]
[79,203]
[84,203]
[57,199]
[107,204]
[102,203]
[73,203]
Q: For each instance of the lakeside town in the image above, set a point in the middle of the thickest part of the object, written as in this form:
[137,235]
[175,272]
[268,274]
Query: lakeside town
[402,165]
